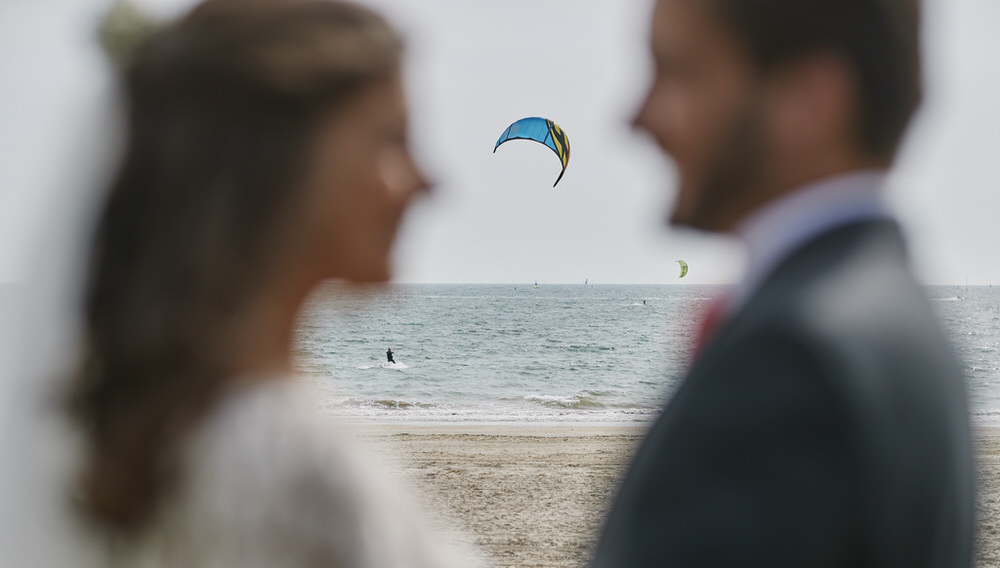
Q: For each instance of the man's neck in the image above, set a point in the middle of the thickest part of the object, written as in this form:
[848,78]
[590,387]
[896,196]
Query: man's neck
[796,172]
[776,230]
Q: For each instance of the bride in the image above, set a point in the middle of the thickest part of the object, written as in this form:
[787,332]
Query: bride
[265,151]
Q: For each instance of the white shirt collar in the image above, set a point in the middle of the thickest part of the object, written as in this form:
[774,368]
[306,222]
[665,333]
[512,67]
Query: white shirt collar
[776,230]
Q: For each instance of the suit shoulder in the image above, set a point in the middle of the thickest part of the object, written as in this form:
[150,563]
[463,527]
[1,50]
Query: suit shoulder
[852,299]
[852,284]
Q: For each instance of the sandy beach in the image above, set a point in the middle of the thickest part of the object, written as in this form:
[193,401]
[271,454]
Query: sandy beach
[534,495]
[988,538]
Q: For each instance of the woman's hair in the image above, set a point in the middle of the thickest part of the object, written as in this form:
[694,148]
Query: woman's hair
[222,109]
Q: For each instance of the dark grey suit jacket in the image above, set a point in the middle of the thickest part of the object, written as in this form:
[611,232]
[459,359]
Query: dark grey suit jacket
[825,424]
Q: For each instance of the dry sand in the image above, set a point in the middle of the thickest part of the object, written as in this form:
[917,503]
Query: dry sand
[534,496]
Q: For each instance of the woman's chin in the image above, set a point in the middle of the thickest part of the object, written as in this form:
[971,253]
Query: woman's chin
[370,275]
[373,268]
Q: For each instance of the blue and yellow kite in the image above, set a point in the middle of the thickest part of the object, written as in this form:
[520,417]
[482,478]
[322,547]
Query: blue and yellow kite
[540,130]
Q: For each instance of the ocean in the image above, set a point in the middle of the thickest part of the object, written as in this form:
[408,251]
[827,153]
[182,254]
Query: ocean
[556,353]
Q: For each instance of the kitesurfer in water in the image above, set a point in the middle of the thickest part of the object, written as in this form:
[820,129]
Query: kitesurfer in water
[388,355]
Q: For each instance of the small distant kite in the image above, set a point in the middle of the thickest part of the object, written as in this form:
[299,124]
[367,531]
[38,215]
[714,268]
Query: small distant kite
[684,268]
[540,130]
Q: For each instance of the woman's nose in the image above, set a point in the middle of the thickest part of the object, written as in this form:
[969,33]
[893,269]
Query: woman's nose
[401,175]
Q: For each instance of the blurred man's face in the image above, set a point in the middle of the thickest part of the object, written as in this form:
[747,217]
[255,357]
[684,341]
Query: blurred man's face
[705,110]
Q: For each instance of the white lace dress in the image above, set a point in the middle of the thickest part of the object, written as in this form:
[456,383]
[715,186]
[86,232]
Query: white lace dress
[269,482]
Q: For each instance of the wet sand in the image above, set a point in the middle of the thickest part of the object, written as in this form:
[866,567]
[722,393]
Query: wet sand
[988,537]
[535,495]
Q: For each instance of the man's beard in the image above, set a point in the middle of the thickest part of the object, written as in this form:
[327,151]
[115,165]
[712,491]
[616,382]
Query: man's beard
[733,175]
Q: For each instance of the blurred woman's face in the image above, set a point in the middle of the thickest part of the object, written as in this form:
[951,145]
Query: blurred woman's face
[361,181]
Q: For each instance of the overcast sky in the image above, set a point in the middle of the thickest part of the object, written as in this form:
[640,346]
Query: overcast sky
[475,67]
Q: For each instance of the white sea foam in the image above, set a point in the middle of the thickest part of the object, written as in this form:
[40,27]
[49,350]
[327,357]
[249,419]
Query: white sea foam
[395,366]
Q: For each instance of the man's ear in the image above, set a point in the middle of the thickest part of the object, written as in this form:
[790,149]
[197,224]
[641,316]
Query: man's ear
[814,106]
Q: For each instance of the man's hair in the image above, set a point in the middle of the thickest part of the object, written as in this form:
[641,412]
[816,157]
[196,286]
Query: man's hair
[879,40]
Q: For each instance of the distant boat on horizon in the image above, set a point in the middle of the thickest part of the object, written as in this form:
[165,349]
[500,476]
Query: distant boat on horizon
[536,284]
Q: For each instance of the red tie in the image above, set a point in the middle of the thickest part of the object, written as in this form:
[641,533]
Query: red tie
[710,324]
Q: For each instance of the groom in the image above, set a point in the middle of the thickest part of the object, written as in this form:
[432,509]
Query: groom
[823,421]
